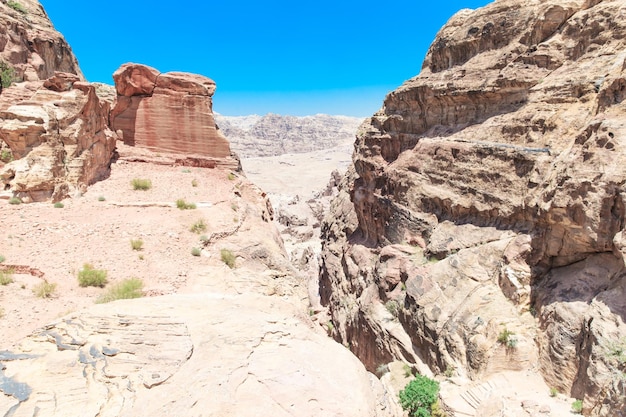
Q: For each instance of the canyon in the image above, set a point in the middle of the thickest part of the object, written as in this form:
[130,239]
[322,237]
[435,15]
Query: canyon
[472,232]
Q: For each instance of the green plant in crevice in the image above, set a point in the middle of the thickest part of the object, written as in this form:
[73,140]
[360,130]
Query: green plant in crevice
[577,406]
[419,396]
[6,155]
[17,6]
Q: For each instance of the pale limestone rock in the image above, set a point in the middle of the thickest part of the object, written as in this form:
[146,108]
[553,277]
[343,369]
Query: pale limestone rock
[206,354]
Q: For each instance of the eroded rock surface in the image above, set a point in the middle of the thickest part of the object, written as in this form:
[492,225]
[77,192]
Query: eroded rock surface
[488,195]
[31,45]
[169,112]
[58,137]
[205,354]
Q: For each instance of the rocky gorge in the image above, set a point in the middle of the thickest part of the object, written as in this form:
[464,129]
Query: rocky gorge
[478,234]
[475,238]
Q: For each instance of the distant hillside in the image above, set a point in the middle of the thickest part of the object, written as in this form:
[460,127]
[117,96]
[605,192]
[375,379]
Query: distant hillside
[273,134]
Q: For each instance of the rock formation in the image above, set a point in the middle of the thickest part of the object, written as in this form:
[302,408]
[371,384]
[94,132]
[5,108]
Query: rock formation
[169,112]
[485,208]
[58,136]
[31,45]
[273,134]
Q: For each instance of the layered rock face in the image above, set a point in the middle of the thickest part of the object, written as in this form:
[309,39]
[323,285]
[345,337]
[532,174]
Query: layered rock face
[169,112]
[58,137]
[30,44]
[487,197]
[273,134]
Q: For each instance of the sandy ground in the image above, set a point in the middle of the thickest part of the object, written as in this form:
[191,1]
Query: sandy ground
[58,241]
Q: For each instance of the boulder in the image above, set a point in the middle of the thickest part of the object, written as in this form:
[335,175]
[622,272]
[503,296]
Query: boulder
[169,113]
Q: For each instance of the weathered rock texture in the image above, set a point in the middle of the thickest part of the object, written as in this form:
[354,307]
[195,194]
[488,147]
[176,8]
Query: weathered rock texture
[58,136]
[273,134]
[491,185]
[169,112]
[30,44]
[204,354]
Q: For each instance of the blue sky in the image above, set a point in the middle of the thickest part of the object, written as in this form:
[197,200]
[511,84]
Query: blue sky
[285,57]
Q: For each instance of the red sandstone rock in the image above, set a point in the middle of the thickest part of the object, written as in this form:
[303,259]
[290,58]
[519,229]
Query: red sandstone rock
[168,113]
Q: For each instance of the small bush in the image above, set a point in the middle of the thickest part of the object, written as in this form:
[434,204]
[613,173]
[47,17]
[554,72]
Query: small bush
[577,406]
[183,205]
[58,204]
[6,155]
[198,227]
[6,277]
[141,184]
[408,371]
[231,176]
[101,198]
[90,277]
[204,238]
[136,244]
[127,289]
[393,308]
[228,258]
[187,171]
[15,200]
[16,6]
[194,183]
[44,289]
[382,369]
[506,337]
[2,258]
[196,251]
[419,396]
[553,392]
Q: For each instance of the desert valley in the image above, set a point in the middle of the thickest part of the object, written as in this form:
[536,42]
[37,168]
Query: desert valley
[160,259]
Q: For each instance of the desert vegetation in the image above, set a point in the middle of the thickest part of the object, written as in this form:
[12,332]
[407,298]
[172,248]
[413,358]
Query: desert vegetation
[228,257]
[6,277]
[44,289]
[136,244]
[141,184]
[127,289]
[90,277]
[198,227]
[183,205]
[419,397]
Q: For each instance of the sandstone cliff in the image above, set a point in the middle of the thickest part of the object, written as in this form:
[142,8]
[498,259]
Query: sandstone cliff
[170,112]
[57,136]
[273,134]
[486,202]
[29,42]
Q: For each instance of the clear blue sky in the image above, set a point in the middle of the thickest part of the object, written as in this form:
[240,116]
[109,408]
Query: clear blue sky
[286,57]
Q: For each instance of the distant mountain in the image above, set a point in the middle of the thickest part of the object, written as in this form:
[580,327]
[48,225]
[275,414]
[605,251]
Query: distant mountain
[273,134]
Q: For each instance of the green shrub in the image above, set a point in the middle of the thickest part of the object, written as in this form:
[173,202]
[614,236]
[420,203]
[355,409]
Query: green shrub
[553,392]
[419,396]
[7,72]
[44,289]
[136,244]
[16,6]
[183,205]
[2,258]
[129,288]
[58,204]
[141,184]
[393,308]
[228,258]
[231,176]
[6,277]
[101,198]
[577,406]
[194,183]
[196,251]
[506,337]
[90,277]
[15,200]
[6,155]
[204,238]
[198,227]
